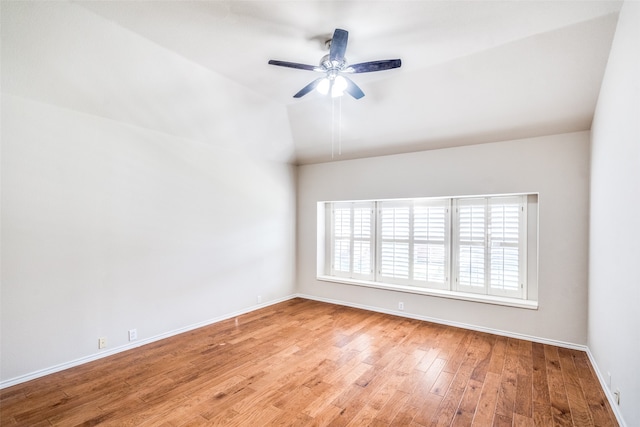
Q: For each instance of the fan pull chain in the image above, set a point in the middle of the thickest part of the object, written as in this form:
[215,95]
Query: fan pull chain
[339,125]
[333,125]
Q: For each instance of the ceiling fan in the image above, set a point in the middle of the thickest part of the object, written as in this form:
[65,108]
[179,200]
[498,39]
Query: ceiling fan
[334,66]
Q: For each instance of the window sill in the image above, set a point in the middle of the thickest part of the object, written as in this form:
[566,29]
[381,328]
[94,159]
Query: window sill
[487,299]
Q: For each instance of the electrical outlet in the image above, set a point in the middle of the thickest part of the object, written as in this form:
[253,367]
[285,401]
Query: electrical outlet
[133,334]
[259,299]
[401,306]
[102,343]
[617,396]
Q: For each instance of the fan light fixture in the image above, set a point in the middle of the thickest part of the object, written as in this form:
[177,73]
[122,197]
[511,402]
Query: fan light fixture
[335,85]
[334,66]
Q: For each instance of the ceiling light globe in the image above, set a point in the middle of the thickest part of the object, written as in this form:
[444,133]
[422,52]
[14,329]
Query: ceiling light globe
[338,87]
[323,86]
[340,83]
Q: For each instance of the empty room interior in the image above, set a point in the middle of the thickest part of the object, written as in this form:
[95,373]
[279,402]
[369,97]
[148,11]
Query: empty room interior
[320,213]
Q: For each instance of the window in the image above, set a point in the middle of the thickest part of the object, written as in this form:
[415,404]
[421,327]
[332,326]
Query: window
[351,245]
[413,243]
[447,246]
[490,246]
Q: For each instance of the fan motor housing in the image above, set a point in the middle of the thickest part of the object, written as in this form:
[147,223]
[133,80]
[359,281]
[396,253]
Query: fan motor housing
[328,64]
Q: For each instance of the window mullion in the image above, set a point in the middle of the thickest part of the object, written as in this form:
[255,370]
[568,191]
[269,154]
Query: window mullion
[454,251]
[522,230]
[378,263]
[448,233]
[332,238]
[487,249]
[410,242]
[351,239]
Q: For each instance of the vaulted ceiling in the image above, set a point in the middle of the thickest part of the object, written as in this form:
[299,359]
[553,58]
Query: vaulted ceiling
[472,72]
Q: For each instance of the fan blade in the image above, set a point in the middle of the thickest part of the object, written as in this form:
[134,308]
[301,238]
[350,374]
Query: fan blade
[338,44]
[353,89]
[295,65]
[308,88]
[367,67]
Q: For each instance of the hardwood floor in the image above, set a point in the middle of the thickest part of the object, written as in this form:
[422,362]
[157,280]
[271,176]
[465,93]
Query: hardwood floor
[307,363]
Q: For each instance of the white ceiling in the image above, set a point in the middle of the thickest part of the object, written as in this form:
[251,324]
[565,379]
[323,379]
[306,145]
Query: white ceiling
[472,72]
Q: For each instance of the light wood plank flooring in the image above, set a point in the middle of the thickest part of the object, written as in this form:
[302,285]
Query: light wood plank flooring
[307,363]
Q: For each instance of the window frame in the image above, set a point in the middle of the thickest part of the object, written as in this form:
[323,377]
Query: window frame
[528,255]
[352,206]
[411,241]
[486,245]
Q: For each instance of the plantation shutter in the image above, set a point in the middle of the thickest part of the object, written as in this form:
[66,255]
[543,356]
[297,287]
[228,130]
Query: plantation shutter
[480,242]
[490,245]
[362,239]
[506,245]
[414,242]
[471,244]
[352,240]
[342,239]
[394,233]
[431,243]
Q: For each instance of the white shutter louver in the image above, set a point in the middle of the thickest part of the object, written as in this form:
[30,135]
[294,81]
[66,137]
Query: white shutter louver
[362,240]
[429,243]
[352,239]
[342,239]
[394,257]
[504,244]
[471,243]
[490,246]
[414,242]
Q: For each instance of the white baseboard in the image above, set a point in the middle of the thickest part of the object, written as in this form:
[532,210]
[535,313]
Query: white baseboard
[61,367]
[450,323]
[603,383]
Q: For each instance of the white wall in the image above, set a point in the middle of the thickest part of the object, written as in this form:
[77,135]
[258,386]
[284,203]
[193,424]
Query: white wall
[614,250]
[108,226]
[557,167]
